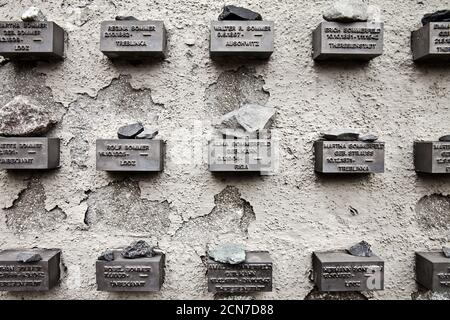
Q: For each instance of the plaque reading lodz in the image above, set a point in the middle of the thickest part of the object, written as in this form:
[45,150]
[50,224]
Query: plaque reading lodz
[253,275]
[433,270]
[29,153]
[341,271]
[133,39]
[356,41]
[432,157]
[431,42]
[139,155]
[39,40]
[32,276]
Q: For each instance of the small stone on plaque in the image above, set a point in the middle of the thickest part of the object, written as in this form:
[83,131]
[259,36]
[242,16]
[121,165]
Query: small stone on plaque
[347,11]
[28,257]
[228,253]
[446,251]
[238,13]
[138,249]
[438,16]
[445,138]
[126,18]
[33,14]
[147,134]
[341,135]
[361,249]
[130,131]
[370,137]
[108,255]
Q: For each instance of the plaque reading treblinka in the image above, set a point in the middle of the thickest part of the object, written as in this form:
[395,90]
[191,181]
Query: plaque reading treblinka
[432,156]
[29,153]
[433,270]
[29,270]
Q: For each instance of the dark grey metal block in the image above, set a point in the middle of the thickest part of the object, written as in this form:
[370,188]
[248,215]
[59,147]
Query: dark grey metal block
[253,39]
[140,155]
[253,275]
[431,42]
[29,153]
[35,276]
[340,271]
[356,41]
[138,275]
[133,39]
[349,157]
[433,270]
[40,40]
[432,156]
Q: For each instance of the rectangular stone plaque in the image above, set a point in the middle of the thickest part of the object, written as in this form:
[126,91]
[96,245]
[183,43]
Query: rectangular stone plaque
[139,275]
[29,153]
[35,276]
[340,271]
[42,40]
[252,39]
[133,39]
[140,155]
[349,157]
[240,155]
[432,157]
[253,275]
[357,40]
[433,270]
[431,42]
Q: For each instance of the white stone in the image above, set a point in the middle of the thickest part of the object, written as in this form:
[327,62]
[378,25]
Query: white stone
[253,117]
[347,11]
[33,14]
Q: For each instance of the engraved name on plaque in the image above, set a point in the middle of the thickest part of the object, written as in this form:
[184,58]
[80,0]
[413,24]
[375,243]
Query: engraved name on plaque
[133,39]
[433,270]
[432,156]
[29,153]
[252,275]
[140,155]
[431,42]
[40,274]
[341,271]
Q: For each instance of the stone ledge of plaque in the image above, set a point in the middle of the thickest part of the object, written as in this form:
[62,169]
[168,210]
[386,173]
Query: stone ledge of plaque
[432,157]
[361,249]
[433,269]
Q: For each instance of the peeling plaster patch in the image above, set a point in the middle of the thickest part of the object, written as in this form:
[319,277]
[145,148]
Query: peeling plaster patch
[433,212]
[316,295]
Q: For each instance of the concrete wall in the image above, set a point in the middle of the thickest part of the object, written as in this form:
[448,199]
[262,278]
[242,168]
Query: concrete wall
[185,208]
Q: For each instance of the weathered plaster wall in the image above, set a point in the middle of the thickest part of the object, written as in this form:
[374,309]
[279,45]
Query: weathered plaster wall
[185,208]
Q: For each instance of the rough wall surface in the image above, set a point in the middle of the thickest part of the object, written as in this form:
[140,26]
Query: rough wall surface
[186,208]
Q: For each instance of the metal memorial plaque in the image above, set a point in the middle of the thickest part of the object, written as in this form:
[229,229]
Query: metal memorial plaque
[29,153]
[349,157]
[252,39]
[253,275]
[340,271]
[433,270]
[356,41]
[139,275]
[432,157]
[431,42]
[40,40]
[133,39]
[34,276]
[140,155]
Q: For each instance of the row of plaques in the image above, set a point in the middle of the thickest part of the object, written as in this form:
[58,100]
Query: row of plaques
[336,271]
[134,39]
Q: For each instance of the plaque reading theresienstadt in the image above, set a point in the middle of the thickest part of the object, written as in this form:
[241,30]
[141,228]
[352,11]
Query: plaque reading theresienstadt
[39,275]
[253,275]
[129,39]
[254,39]
[341,271]
[432,156]
[349,157]
[431,42]
[37,40]
[139,155]
[433,270]
[356,41]
[29,153]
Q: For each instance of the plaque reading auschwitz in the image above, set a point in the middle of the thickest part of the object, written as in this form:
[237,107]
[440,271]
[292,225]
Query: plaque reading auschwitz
[252,275]
[29,153]
[431,42]
[39,274]
[140,155]
[242,38]
[356,40]
[433,270]
[341,271]
[432,157]
[133,39]
[36,40]
[349,157]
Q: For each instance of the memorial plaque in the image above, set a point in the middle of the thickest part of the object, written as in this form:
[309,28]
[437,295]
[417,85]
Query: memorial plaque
[253,275]
[356,41]
[133,39]
[431,42]
[252,39]
[240,155]
[29,153]
[349,157]
[341,271]
[433,270]
[40,40]
[33,276]
[432,157]
[121,274]
[140,155]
